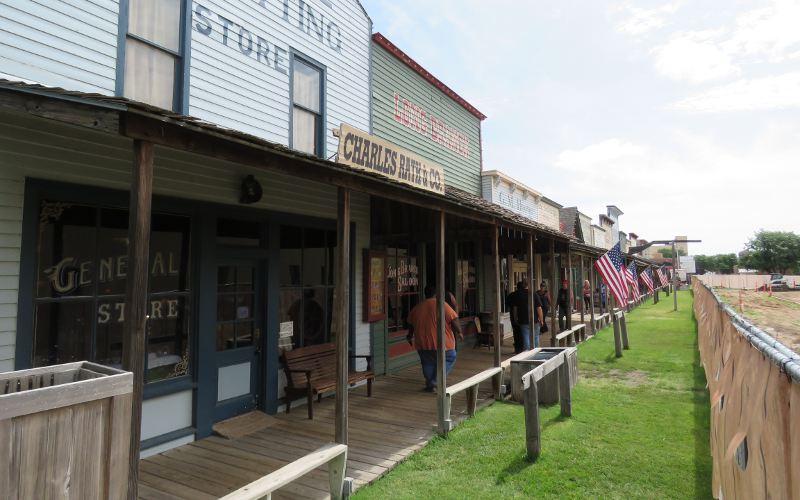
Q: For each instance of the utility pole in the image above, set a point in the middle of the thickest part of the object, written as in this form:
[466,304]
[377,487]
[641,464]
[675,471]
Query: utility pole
[675,262]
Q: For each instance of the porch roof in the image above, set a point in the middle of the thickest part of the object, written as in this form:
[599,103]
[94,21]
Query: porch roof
[137,120]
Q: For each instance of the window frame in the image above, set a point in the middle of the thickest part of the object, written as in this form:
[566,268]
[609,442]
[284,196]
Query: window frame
[321,143]
[180,90]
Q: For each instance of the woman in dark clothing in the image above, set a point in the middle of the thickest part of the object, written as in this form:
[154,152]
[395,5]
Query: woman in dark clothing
[544,296]
[563,304]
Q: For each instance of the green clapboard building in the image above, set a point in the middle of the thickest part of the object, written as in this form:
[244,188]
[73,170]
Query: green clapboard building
[414,110]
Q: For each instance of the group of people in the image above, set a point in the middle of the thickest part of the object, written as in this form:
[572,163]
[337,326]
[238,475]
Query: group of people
[527,328]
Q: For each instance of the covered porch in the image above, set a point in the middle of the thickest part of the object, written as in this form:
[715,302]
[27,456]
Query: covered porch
[397,421]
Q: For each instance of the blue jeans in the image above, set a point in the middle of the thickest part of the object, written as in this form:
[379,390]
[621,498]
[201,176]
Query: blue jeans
[525,334]
[537,331]
[428,360]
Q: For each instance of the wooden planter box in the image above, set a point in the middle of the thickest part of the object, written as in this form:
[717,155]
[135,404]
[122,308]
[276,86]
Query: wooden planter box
[548,386]
[65,432]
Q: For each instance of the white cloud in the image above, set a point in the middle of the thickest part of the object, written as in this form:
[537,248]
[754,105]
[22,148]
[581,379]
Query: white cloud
[696,57]
[772,92]
[770,33]
[612,153]
[641,21]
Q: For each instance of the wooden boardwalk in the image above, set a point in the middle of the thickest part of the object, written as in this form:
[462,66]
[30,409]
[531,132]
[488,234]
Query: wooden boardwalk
[384,430]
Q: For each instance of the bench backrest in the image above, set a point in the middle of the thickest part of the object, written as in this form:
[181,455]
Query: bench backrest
[321,359]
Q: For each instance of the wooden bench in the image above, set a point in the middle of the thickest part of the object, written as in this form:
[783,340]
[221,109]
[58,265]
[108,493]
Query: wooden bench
[471,386]
[567,337]
[312,370]
[580,332]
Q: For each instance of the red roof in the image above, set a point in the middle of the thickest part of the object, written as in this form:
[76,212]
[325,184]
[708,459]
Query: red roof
[406,59]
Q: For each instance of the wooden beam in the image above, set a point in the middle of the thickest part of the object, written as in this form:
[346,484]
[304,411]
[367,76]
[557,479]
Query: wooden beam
[343,317]
[136,287]
[592,284]
[554,286]
[531,290]
[497,308]
[442,407]
[64,109]
[192,139]
[583,302]
[571,289]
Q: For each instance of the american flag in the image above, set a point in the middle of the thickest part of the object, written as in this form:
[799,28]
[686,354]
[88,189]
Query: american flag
[611,269]
[630,277]
[647,278]
[661,277]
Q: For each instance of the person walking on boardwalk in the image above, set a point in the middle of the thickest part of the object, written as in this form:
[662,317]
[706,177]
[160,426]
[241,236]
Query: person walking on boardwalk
[587,296]
[520,316]
[422,326]
[563,303]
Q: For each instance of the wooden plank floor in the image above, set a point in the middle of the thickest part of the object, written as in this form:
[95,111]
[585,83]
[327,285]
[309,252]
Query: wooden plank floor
[384,430]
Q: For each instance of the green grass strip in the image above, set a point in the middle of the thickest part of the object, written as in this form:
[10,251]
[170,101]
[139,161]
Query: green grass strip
[639,429]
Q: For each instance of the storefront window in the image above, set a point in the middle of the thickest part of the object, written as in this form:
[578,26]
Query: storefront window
[306,277]
[82,265]
[402,286]
[466,280]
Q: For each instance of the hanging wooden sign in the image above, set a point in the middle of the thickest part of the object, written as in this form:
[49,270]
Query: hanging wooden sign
[374,285]
[363,151]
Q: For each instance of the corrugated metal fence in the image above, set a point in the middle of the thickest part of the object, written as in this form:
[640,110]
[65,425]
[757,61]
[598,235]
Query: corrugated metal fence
[754,382]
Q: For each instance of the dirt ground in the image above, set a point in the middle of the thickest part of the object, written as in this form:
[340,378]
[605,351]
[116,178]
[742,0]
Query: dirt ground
[778,315]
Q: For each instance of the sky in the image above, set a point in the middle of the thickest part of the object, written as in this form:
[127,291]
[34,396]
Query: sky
[684,114]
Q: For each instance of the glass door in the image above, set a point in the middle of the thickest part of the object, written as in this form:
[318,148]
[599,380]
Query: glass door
[239,322]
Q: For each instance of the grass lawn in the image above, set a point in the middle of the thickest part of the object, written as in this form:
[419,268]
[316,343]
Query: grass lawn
[639,429]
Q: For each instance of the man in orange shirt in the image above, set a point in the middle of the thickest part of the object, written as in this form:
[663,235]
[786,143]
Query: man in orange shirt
[422,326]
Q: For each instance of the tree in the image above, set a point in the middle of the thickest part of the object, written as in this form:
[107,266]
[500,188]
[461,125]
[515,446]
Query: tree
[773,252]
[667,252]
[720,263]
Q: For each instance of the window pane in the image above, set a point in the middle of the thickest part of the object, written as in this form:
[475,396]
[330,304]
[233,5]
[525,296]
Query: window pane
[169,253]
[62,332]
[238,233]
[66,250]
[158,21]
[306,86]
[149,74]
[112,252]
[110,321]
[167,337]
[304,131]
[314,257]
[291,309]
[314,316]
[291,254]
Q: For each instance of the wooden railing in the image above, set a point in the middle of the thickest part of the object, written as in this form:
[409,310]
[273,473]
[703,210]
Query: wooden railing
[572,336]
[620,333]
[335,455]
[470,385]
[529,381]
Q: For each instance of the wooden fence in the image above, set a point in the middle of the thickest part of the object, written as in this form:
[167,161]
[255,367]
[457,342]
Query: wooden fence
[754,384]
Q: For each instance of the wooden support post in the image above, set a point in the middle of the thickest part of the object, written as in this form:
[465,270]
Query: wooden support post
[136,288]
[497,308]
[554,287]
[343,307]
[443,406]
[472,400]
[617,336]
[571,287]
[623,327]
[565,388]
[592,283]
[336,472]
[533,428]
[531,290]
[583,302]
